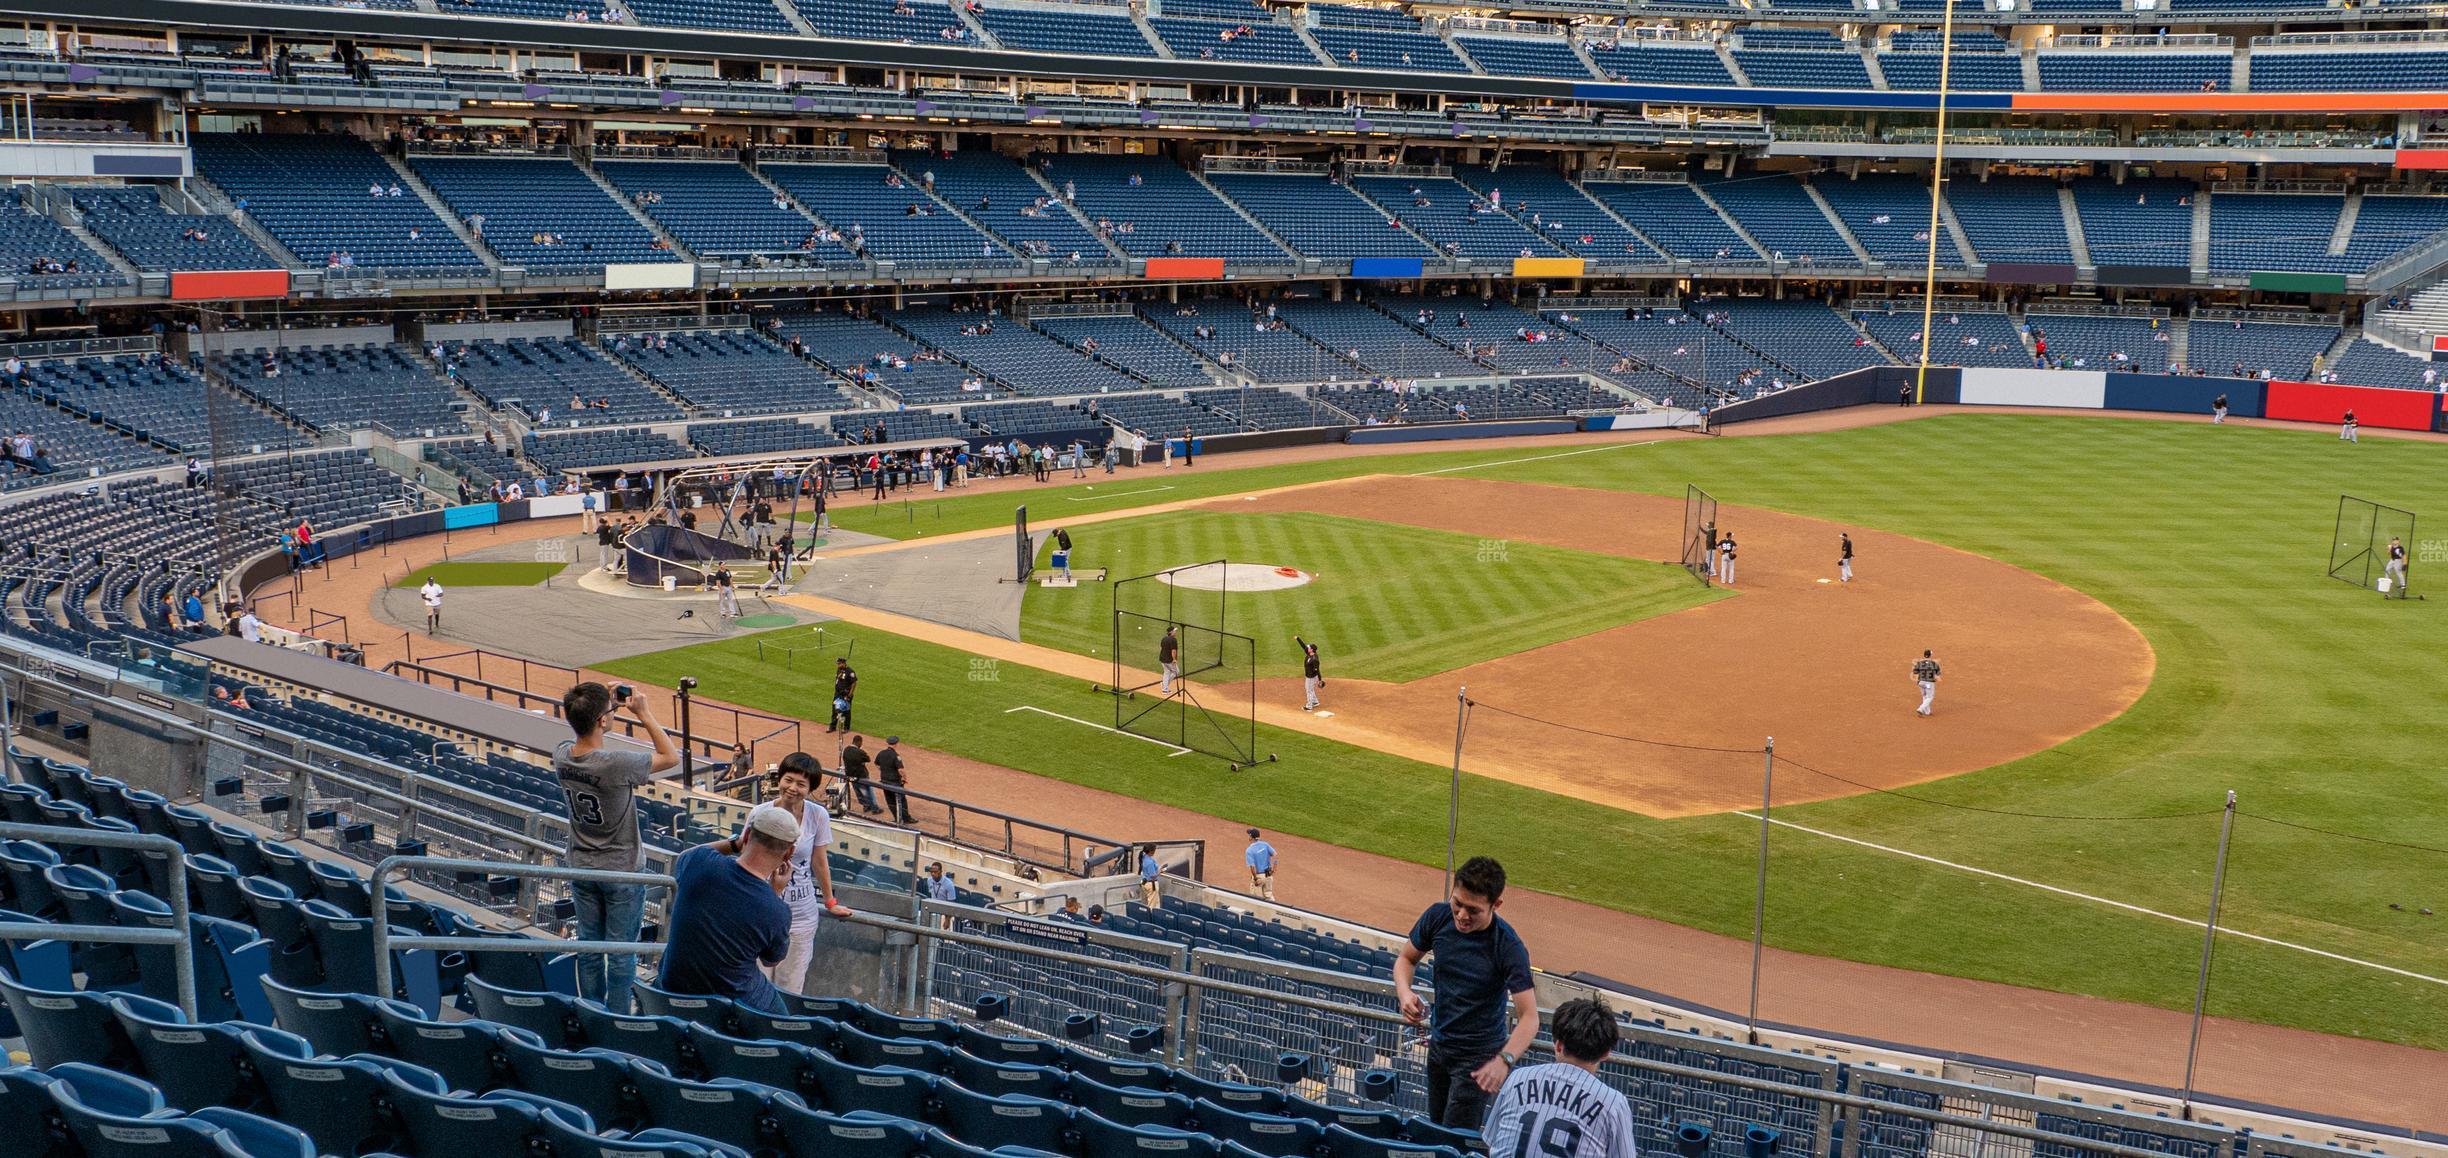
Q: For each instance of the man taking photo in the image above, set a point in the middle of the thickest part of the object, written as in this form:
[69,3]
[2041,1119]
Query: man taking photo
[601,782]
[728,916]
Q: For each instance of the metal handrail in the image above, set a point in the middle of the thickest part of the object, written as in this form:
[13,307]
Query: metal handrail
[384,942]
[180,933]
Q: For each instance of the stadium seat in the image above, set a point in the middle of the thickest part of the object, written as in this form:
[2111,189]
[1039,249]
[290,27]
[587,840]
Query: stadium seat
[505,1122]
[194,1065]
[902,1093]
[571,1139]
[712,1012]
[661,1040]
[804,1029]
[1103,1139]
[861,1048]
[1234,1096]
[67,1026]
[467,1054]
[1345,1143]
[343,1103]
[779,1064]
[856,1134]
[726,1110]
[1129,1105]
[1269,1134]
[593,1080]
[550,1016]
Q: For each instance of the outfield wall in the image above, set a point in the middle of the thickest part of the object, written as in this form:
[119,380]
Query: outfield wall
[2374,406]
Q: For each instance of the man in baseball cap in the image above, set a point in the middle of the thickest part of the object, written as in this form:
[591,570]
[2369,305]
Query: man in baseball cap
[1260,856]
[728,916]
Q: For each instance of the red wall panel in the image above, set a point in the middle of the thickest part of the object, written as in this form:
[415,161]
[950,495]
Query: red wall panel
[215,285]
[2373,405]
[1185,267]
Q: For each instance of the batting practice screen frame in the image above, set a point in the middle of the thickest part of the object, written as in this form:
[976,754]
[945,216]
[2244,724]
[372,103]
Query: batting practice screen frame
[2358,550]
[1022,546]
[1205,714]
[1699,516]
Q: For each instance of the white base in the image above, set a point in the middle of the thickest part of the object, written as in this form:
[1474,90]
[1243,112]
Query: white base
[1057,581]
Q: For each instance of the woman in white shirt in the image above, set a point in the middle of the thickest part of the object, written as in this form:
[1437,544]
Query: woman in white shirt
[810,892]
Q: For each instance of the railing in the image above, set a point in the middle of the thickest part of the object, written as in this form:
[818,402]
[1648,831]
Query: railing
[384,941]
[1047,846]
[81,347]
[179,937]
[1222,164]
[2300,39]
[2332,187]
[664,152]
[445,148]
[821,156]
[2407,264]
[2143,40]
[2096,309]
[2283,317]
[1631,177]
[1507,27]
[635,323]
[1390,169]
[539,702]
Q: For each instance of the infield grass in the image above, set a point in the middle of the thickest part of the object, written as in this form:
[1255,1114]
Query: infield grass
[2312,699]
[482,574]
[1386,602]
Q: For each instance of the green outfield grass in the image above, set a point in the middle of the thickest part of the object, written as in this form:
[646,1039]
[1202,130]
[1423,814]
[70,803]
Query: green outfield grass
[1388,602]
[2308,697]
[482,574]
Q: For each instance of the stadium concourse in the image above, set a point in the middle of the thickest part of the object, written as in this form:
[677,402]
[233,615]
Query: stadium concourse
[2055,1031]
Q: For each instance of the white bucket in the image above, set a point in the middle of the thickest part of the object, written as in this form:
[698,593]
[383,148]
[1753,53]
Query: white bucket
[671,583]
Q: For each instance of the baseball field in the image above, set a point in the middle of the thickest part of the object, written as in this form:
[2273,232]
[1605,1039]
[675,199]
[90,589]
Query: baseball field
[2135,620]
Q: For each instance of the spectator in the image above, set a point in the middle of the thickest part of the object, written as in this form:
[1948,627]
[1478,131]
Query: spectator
[1481,966]
[250,628]
[728,916]
[809,894]
[601,785]
[1096,914]
[1071,908]
[1565,1099]
[935,886]
[193,611]
[1150,894]
[1260,856]
[888,770]
[854,761]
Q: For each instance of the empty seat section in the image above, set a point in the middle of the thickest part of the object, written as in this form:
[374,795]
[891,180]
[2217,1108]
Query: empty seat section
[1317,216]
[1800,58]
[2386,225]
[1090,29]
[1254,40]
[759,436]
[1808,338]
[739,15]
[314,194]
[717,208]
[1957,337]
[1402,48]
[1544,201]
[1131,344]
[1458,221]
[155,399]
[2085,70]
[997,193]
[1889,215]
[2255,349]
[344,389]
[2095,341]
[2365,362]
[540,212]
[912,21]
[1778,211]
[733,371]
[1676,217]
[1171,214]
[1525,55]
[880,358]
[2142,221]
[596,448]
[886,217]
[536,375]
[133,221]
[1020,358]
[1235,336]
[2389,68]
[1654,62]
[1373,339]
[2282,231]
[40,254]
[2012,219]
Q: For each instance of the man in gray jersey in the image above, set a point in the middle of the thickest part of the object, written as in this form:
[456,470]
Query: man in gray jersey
[601,784]
[1562,1110]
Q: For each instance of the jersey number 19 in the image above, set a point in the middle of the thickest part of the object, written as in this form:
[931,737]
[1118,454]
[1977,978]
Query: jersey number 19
[1557,1137]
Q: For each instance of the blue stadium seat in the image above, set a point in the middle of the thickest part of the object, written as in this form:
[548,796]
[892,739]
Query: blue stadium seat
[1268,1134]
[1130,1105]
[64,1026]
[1006,1120]
[193,1064]
[593,1080]
[780,1064]
[662,1040]
[856,1134]
[1104,1139]
[571,1139]
[726,1110]
[468,1055]
[902,1093]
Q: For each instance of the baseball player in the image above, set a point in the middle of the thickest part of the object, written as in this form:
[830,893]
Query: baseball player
[1311,681]
[1710,529]
[1725,560]
[2346,429]
[2218,410]
[2396,568]
[1168,657]
[1844,557]
[1925,674]
[431,593]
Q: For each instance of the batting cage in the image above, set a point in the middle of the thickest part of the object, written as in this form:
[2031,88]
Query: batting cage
[1699,531]
[2359,551]
[1210,703]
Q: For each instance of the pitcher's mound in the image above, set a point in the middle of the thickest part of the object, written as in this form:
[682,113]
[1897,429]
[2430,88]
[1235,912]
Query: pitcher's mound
[1237,577]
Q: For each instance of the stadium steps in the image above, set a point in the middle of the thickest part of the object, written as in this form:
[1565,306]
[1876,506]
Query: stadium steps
[209,198]
[1725,56]
[1302,31]
[1246,215]
[801,207]
[1581,51]
[1405,226]
[1139,21]
[1644,237]
[646,380]
[586,165]
[408,179]
[1703,194]
[117,260]
[2200,254]
[478,414]
[2240,80]
[959,12]
[945,204]
[1955,229]
[1408,324]
[2030,62]
[1875,344]
[1233,373]
[2346,337]
[1445,33]
[1870,64]
[1054,196]
[2073,227]
[2346,223]
[231,391]
[1837,223]
[2180,342]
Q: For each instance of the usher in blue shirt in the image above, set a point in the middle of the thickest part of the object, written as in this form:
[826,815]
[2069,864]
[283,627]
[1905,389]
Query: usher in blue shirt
[724,923]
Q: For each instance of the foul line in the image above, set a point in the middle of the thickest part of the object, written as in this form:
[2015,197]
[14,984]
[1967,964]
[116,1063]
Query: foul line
[2131,908]
[1538,457]
[1178,750]
[1117,495]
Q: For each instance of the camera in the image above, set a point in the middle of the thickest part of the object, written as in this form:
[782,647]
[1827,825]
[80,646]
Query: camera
[687,682]
[621,694]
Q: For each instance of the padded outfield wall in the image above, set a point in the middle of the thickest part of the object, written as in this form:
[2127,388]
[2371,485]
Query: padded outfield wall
[2374,406]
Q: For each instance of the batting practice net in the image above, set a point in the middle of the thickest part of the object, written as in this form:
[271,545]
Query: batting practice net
[1022,547]
[2359,551]
[1699,531]
[1211,706]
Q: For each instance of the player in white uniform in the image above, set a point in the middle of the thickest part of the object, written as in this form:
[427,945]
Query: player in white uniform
[431,593]
[1562,1110]
[1844,557]
[1725,557]
[810,890]
[2396,565]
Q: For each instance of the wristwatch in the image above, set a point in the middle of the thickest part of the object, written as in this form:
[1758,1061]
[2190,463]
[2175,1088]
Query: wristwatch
[1509,1060]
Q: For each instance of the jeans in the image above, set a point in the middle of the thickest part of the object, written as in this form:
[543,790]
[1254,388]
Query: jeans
[608,912]
[865,788]
[1454,1098]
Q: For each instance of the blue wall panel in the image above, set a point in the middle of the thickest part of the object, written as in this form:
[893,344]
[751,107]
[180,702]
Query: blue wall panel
[1402,267]
[2179,394]
[474,515]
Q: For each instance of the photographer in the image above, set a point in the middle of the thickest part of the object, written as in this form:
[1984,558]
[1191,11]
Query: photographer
[601,784]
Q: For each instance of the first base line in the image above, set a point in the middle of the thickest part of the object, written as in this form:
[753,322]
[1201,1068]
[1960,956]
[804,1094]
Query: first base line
[1177,750]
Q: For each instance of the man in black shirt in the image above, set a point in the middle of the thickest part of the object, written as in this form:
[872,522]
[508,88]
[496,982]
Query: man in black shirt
[1311,681]
[1844,557]
[606,535]
[2218,410]
[854,776]
[845,688]
[1482,969]
[1168,657]
[888,769]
